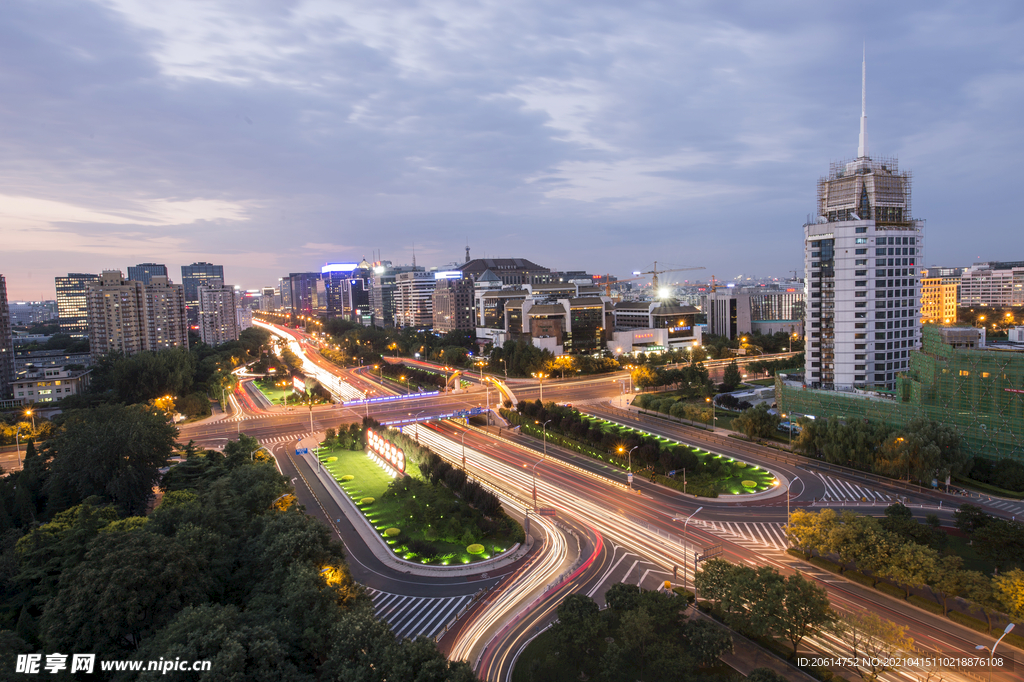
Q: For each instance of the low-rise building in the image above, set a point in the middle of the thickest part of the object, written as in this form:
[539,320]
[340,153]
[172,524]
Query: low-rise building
[940,294]
[997,283]
[49,384]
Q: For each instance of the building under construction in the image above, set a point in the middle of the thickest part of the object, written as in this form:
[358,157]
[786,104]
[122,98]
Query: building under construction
[954,378]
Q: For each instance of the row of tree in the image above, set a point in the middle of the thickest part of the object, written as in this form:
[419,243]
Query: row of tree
[881,552]
[763,601]
[642,634]
[921,450]
[1004,473]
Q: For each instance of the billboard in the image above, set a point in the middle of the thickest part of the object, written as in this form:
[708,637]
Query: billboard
[299,384]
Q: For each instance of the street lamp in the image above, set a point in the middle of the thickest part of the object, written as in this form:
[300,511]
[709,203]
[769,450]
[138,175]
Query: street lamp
[463,451]
[29,413]
[540,376]
[789,493]
[415,420]
[505,365]
[17,440]
[629,468]
[684,542]
[992,651]
[713,417]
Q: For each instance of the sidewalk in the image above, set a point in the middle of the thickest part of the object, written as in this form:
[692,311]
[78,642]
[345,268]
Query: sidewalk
[376,544]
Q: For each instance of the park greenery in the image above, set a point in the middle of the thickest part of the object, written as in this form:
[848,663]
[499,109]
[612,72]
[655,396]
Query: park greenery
[642,635]
[663,460]
[921,450]
[1007,474]
[919,562]
[435,512]
[226,568]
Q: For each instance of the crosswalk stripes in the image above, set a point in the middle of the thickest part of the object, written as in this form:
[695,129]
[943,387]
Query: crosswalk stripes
[752,535]
[1013,507]
[249,417]
[414,616]
[840,490]
[281,439]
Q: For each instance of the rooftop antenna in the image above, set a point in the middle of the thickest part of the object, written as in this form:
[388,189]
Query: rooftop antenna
[467,250]
[862,148]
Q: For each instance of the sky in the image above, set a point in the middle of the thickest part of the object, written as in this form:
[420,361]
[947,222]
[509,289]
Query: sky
[273,136]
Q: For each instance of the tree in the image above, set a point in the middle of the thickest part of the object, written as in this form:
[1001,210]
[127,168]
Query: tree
[969,518]
[913,566]
[1001,541]
[757,423]
[874,640]
[579,625]
[714,580]
[810,531]
[111,451]
[805,610]
[1009,590]
[706,641]
[950,579]
[623,597]
[645,376]
[731,377]
[764,675]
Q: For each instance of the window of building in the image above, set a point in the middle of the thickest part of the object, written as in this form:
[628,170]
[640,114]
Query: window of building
[861,240]
[860,336]
[860,230]
[861,252]
[964,373]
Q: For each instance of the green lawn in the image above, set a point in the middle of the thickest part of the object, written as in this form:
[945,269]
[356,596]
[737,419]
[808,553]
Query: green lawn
[274,394]
[760,382]
[733,485]
[421,520]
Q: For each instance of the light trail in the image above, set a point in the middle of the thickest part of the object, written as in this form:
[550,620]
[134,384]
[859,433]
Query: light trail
[341,390]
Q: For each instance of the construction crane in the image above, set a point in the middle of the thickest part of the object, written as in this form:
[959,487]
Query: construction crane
[653,272]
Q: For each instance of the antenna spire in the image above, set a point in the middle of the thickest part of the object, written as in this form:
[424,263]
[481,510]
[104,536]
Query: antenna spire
[862,148]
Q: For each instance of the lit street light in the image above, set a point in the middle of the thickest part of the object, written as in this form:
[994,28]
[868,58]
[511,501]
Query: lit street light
[30,413]
[684,540]
[629,468]
[789,494]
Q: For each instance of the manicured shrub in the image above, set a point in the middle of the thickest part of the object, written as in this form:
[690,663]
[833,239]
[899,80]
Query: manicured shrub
[366,501]
[347,477]
[392,532]
[475,548]
[749,484]
[331,459]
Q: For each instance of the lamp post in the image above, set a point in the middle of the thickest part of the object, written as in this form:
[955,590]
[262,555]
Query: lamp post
[30,413]
[415,420]
[713,417]
[17,440]
[789,493]
[629,466]
[540,376]
[684,542]
[992,651]
[463,451]
[505,366]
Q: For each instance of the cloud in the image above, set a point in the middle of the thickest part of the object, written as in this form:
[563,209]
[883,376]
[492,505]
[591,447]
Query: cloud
[274,137]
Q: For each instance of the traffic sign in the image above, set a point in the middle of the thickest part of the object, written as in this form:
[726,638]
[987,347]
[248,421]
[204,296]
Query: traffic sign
[301,451]
[547,511]
[629,478]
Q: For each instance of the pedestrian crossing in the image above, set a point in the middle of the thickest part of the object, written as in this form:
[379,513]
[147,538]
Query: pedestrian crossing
[248,417]
[838,490]
[753,534]
[1004,505]
[281,439]
[414,616]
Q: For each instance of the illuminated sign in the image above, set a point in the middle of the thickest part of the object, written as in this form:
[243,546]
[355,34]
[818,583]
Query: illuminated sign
[448,274]
[339,267]
[299,384]
[385,452]
[1013,390]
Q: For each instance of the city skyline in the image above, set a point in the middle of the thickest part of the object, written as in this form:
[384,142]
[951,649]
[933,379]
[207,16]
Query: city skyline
[593,138]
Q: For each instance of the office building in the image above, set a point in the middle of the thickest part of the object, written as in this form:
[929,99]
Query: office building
[218,313]
[382,291]
[993,284]
[268,299]
[303,294]
[143,272]
[735,311]
[6,344]
[652,327]
[131,317]
[72,307]
[861,257]
[510,271]
[192,276]
[347,287]
[27,313]
[414,306]
[453,304]
[940,293]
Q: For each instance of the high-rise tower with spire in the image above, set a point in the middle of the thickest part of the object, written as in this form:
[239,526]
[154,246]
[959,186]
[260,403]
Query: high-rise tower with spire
[862,255]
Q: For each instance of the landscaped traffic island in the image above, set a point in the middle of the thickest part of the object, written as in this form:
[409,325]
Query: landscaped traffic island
[424,508]
[661,459]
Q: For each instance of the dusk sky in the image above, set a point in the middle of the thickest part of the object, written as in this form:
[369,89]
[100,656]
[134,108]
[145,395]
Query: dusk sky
[274,136]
